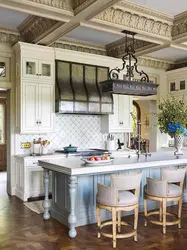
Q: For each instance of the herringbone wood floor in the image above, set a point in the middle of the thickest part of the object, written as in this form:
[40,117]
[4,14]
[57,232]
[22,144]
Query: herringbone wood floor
[22,229]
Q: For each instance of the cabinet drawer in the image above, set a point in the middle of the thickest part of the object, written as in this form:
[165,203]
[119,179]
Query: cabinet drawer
[32,163]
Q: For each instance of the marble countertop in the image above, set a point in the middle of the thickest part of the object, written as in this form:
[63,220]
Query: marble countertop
[75,166]
[28,156]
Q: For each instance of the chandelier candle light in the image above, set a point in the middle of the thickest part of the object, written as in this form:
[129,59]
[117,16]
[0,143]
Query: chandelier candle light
[129,86]
[172,119]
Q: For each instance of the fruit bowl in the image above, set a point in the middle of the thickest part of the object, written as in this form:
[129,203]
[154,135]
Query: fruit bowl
[97,160]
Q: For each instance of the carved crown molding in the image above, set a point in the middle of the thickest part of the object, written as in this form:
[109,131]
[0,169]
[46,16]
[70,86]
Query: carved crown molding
[71,44]
[153,63]
[137,22]
[8,37]
[147,12]
[61,4]
[180,25]
[33,27]
[117,48]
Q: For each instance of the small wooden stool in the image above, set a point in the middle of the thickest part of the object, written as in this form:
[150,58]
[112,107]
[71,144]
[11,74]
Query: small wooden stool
[119,198]
[167,189]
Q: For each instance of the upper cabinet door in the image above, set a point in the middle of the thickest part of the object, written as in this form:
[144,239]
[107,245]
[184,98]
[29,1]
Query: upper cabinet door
[125,109]
[30,68]
[4,69]
[46,70]
[46,107]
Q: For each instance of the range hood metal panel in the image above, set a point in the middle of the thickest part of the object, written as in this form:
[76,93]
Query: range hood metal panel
[78,90]
[129,88]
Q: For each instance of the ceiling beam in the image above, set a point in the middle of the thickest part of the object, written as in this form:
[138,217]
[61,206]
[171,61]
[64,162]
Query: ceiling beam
[90,11]
[38,9]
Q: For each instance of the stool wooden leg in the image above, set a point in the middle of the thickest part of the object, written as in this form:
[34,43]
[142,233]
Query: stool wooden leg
[135,222]
[164,216]
[98,222]
[160,211]
[145,212]
[119,221]
[180,212]
[114,227]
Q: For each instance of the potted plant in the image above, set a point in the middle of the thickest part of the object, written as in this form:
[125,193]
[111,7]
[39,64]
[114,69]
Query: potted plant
[172,119]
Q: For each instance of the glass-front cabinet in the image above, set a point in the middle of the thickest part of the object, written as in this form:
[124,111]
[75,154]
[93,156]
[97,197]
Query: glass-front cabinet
[4,69]
[33,68]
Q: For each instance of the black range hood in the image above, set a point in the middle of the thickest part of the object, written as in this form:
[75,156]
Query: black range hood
[78,90]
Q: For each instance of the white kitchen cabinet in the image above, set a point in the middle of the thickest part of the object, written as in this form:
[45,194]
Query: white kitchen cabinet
[37,69]
[37,108]
[177,81]
[121,120]
[29,176]
[35,97]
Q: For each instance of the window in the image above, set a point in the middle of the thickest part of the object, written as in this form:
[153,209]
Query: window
[182,85]
[172,86]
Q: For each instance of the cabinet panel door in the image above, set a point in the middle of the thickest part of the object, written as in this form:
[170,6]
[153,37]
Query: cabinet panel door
[46,70]
[46,107]
[29,107]
[125,109]
[113,119]
[30,68]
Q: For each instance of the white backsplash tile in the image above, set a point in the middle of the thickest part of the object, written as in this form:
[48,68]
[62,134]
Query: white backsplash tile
[82,131]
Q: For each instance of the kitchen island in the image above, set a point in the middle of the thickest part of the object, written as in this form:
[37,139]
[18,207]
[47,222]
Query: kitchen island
[74,184]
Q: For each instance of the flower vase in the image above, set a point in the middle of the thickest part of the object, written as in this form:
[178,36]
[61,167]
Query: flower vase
[178,144]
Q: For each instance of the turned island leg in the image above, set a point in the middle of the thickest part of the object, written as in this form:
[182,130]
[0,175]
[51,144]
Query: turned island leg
[46,202]
[72,219]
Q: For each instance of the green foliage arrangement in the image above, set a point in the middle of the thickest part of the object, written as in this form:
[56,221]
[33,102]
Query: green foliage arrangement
[172,115]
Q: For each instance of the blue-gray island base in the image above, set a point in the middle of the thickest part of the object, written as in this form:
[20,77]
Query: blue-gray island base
[74,185]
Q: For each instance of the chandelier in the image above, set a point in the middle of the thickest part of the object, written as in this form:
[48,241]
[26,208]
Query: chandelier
[129,85]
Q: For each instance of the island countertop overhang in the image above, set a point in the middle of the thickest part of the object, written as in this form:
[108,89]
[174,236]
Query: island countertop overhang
[75,166]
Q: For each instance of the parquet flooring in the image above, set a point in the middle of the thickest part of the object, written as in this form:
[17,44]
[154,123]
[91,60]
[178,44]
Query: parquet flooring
[22,229]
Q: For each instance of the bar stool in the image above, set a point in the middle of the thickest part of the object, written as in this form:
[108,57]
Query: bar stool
[122,195]
[169,188]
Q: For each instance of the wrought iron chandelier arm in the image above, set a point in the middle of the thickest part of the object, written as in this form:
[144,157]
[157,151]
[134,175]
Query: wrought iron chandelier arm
[145,77]
[114,73]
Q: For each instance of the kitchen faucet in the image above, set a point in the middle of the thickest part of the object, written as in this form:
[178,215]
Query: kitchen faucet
[119,144]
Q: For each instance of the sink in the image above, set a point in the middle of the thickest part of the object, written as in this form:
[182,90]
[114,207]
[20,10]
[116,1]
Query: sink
[123,153]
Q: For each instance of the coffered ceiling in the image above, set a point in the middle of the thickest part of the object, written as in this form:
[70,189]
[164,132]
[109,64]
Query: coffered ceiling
[95,26]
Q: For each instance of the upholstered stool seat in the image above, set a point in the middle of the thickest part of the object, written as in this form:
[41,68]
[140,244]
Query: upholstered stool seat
[122,195]
[169,188]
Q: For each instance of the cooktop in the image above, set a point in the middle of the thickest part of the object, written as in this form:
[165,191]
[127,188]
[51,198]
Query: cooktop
[85,152]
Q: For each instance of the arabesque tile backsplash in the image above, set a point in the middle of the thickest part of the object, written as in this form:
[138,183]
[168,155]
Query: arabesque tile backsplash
[83,131]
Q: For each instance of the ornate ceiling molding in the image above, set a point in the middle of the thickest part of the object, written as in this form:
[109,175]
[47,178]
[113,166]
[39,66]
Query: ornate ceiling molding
[61,4]
[8,38]
[34,27]
[147,12]
[180,26]
[135,22]
[71,44]
[153,63]
[117,49]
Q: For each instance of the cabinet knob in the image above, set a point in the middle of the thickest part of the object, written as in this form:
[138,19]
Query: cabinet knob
[37,74]
[37,122]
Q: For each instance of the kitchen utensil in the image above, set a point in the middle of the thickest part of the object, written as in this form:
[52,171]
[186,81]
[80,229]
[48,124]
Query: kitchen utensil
[70,149]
